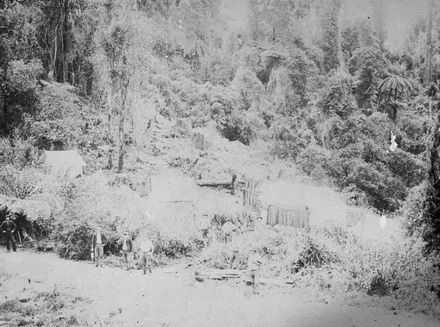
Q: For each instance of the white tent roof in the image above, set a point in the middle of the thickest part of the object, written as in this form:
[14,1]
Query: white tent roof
[67,163]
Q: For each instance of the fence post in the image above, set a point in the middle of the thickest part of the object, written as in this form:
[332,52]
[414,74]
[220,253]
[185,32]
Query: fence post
[307,222]
[234,177]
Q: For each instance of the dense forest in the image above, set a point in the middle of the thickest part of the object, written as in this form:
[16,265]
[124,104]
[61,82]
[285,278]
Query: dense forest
[344,93]
[323,89]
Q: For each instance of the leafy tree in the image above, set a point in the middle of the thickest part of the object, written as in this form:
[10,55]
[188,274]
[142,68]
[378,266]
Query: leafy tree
[19,63]
[196,53]
[331,36]
[66,34]
[429,45]
[337,99]
[350,41]
[151,7]
[390,90]
[431,219]
[114,48]
[394,86]
[369,67]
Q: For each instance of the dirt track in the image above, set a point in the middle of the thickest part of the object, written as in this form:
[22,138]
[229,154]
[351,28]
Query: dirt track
[174,299]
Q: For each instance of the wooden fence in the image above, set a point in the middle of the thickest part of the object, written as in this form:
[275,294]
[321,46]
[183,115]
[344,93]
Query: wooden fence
[298,218]
[276,215]
[251,203]
[250,195]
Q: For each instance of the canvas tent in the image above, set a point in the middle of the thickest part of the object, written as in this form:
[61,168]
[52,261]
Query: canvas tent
[67,163]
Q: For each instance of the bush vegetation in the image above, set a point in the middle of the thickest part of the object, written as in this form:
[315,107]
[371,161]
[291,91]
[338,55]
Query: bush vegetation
[339,261]
[327,102]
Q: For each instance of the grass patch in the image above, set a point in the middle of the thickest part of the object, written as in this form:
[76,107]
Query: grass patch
[46,309]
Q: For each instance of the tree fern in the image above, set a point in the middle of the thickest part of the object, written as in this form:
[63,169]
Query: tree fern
[16,184]
[394,86]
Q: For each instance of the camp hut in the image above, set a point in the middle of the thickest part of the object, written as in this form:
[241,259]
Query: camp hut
[67,163]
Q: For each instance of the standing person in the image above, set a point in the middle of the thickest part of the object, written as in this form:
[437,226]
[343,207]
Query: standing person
[98,241]
[8,227]
[146,259]
[254,264]
[259,224]
[205,225]
[127,247]
[228,228]
[231,242]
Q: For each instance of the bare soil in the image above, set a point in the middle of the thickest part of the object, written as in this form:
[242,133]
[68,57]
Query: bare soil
[171,297]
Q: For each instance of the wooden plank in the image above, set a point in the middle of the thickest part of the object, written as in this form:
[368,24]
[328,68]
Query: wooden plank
[214,184]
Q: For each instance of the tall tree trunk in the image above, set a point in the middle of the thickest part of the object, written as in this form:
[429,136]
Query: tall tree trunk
[332,46]
[428,55]
[432,219]
[66,41]
[4,113]
[121,129]
[4,117]
[54,56]
[339,41]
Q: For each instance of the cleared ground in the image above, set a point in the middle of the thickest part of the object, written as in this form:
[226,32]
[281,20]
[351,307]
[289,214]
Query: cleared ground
[171,297]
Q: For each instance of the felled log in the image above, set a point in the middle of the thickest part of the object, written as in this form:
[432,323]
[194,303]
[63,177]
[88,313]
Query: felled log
[217,274]
[230,185]
[214,184]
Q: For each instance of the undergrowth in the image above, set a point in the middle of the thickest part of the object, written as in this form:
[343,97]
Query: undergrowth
[334,259]
[45,309]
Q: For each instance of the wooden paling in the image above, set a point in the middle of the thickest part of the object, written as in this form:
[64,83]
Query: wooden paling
[250,195]
[298,218]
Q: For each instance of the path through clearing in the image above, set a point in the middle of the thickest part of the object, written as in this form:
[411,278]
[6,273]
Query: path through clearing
[170,299]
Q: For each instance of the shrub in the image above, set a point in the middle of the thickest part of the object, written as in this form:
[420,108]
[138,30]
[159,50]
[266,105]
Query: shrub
[240,126]
[73,240]
[311,158]
[414,210]
[369,66]
[62,120]
[173,248]
[17,152]
[337,98]
[379,285]
[218,71]
[314,255]
[18,92]
[383,191]
[292,136]
[410,169]
[247,88]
